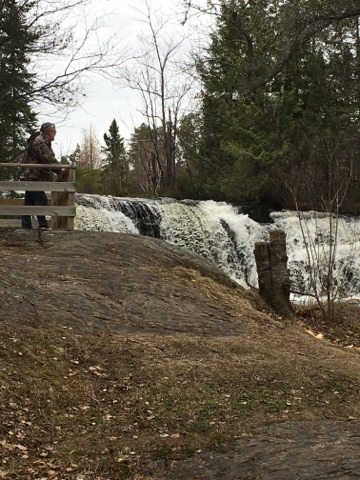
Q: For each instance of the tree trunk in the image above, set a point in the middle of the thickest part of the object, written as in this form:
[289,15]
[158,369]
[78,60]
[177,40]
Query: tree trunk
[273,274]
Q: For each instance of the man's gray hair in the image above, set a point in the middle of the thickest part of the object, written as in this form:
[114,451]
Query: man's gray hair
[46,127]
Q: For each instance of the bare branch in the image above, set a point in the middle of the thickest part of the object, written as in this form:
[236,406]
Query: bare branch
[68,48]
[158,76]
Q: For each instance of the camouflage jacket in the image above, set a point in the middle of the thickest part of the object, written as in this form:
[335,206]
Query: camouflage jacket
[39,151]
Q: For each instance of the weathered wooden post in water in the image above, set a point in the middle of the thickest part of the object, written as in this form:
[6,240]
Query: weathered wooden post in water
[273,274]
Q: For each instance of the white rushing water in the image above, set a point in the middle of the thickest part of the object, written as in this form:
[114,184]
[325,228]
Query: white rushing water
[324,243]
[217,231]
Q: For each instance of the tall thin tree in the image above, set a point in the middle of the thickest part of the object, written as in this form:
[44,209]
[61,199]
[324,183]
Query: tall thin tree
[115,164]
[17,116]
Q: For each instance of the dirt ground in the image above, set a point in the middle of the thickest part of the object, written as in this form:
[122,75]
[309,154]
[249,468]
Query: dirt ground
[123,357]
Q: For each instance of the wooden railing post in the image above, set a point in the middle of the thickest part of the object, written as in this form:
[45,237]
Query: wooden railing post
[63,199]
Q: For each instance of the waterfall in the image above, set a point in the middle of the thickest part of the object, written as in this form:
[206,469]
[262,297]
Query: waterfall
[318,236]
[221,233]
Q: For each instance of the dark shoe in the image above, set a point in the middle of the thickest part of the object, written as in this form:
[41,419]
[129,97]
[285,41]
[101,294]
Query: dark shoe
[44,228]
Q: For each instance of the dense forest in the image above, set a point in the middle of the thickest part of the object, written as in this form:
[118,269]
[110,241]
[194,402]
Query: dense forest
[276,114]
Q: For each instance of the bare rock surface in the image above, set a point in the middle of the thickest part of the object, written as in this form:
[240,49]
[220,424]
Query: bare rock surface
[290,451]
[101,281]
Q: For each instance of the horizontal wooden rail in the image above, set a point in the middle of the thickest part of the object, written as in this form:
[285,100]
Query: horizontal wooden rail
[38,186]
[11,201]
[10,222]
[61,210]
[10,210]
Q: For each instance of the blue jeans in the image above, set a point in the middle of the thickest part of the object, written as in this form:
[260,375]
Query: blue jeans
[39,199]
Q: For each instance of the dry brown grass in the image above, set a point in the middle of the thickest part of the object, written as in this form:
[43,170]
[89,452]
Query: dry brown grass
[101,406]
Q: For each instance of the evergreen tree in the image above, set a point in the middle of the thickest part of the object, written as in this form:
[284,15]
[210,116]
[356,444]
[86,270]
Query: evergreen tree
[319,117]
[17,117]
[73,158]
[239,143]
[272,106]
[115,167]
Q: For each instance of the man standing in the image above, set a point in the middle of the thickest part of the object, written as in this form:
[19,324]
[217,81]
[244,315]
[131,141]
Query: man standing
[39,151]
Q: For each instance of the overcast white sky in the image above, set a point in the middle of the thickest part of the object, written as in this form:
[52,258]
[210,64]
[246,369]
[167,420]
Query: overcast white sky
[105,100]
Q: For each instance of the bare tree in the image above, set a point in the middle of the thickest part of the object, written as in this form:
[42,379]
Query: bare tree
[159,74]
[70,45]
[327,276]
[148,167]
[90,153]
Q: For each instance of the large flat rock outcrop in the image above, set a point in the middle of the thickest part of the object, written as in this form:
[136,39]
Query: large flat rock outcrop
[324,450]
[100,280]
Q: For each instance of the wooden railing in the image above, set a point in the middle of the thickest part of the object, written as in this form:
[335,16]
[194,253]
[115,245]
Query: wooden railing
[61,208]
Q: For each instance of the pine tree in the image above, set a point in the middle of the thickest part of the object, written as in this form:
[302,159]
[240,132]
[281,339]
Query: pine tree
[17,117]
[279,98]
[73,158]
[239,143]
[115,166]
